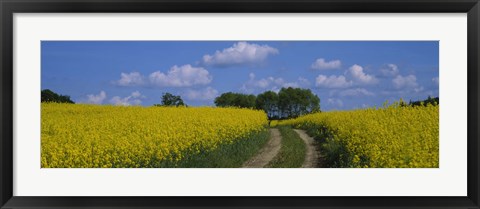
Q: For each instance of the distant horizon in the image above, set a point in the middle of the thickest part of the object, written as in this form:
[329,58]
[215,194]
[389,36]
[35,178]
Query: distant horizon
[343,74]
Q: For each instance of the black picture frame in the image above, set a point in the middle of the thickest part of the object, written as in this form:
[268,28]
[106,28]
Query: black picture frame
[9,7]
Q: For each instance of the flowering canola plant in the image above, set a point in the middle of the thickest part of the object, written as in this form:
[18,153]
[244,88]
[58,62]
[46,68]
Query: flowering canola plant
[98,136]
[389,137]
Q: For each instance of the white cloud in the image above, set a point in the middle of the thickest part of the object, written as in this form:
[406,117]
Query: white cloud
[332,81]
[251,76]
[335,102]
[271,83]
[266,82]
[303,81]
[401,82]
[291,84]
[96,99]
[356,78]
[435,80]
[321,64]
[240,53]
[131,79]
[390,70]
[208,93]
[407,83]
[357,74]
[356,92]
[182,76]
[133,99]
[136,94]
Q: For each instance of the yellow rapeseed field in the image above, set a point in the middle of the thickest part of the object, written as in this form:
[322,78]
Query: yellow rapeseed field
[96,136]
[388,137]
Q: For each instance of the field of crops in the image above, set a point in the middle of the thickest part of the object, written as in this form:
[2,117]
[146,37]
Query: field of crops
[388,137]
[96,136]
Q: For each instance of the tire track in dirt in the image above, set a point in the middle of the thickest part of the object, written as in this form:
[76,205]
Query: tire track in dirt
[268,152]
[312,156]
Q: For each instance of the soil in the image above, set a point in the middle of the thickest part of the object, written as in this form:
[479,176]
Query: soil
[312,155]
[268,152]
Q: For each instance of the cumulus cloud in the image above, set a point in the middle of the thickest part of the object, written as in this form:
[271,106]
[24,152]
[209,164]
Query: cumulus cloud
[208,93]
[135,98]
[264,83]
[401,82]
[335,102]
[241,53]
[271,83]
[360,77]
[390,70]
[96,99]
[356,92]
[291,84]
[354,76]
[332,81]
[131,79]
[303,81]
[182,76]
[322,64]
[407,83]
[435,80]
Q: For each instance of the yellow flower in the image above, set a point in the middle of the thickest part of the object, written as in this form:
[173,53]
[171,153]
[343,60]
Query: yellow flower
[83,135]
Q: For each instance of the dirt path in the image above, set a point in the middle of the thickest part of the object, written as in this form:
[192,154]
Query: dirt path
[268,152]
[311,155]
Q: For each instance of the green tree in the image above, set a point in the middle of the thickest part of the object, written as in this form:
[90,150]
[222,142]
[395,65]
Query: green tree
[429,100]
[313,102]
[268,102]
[48,95]
[294,102]
[288,103]
[225,100]
[171,100]
[231,99]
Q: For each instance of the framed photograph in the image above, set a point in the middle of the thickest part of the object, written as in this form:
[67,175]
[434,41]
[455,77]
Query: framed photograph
[239,104]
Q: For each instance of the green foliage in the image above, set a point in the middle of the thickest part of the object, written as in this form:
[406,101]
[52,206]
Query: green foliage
[231,155]
[294,102]
[288,103]
[231,99]
[268,102]
[48,95]
[292,153]
[429,100]
[171,100]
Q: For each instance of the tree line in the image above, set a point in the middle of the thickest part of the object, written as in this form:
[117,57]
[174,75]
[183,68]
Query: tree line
[48,95]
[287,103]
[429,100]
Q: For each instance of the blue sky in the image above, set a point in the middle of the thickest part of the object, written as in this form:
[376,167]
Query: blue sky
[344,74]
